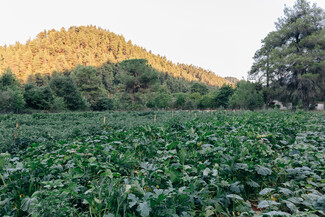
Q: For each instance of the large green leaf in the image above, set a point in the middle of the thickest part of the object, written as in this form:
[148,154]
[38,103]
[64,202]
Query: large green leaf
[264,171]
[144,209]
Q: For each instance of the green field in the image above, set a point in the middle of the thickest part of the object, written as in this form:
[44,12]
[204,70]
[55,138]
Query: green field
[49,128]
[194,164]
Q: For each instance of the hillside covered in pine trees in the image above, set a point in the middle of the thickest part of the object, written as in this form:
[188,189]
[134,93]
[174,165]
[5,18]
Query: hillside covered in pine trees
[89,46]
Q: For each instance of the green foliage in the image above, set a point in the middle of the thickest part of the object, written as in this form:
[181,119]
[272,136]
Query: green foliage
[8,80]
[59,104]
[223,96]
[64,87]
[38,97]
[129,85]
[63,50]
[163,98]
[216,164]
[200,88]
[180,100]
[38,79]
[11,100]
[108,73]
[136,74]
[246,97]
[103,104]
[206,102]
[193,101]
[11,95]
[292,57]
[89,83]
[176,85]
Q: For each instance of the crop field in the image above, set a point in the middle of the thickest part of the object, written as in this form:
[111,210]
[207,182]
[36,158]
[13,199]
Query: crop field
[192,164]
[19,131]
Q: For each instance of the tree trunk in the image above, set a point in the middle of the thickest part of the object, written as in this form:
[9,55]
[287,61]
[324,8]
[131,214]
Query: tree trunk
[268,100]
[305,104]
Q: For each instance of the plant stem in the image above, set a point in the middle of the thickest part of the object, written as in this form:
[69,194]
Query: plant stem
[3,180]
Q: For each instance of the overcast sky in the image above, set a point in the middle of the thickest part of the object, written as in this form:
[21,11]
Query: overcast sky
[221,36]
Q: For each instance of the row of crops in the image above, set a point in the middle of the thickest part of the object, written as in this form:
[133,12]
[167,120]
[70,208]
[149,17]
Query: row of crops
[19,131]
[202,164]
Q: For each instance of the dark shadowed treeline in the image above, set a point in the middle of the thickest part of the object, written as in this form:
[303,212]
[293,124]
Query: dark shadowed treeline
[128,85]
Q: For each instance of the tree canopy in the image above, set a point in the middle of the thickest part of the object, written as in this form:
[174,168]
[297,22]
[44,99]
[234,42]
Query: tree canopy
[293,56]
[129,85]
[63,50]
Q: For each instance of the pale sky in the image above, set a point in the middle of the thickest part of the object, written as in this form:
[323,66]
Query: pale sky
[221,36]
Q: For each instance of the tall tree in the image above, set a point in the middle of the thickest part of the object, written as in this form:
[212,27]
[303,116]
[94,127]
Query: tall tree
[293,56]
[89,83]
[136,74]
[246,96]
[7,80]
[38,97]
[64,87]
[11,96]
[200,88]
[223,96]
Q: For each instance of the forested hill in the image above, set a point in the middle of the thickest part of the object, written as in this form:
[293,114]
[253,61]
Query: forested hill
[88,45]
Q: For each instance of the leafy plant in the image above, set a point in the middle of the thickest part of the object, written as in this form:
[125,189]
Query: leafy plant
[214,164]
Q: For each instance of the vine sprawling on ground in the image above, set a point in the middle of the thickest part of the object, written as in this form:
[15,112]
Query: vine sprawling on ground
[194,164]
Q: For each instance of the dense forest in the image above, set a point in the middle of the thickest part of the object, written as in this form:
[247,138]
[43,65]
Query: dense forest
[129,85]
[88,68]
[89,46]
